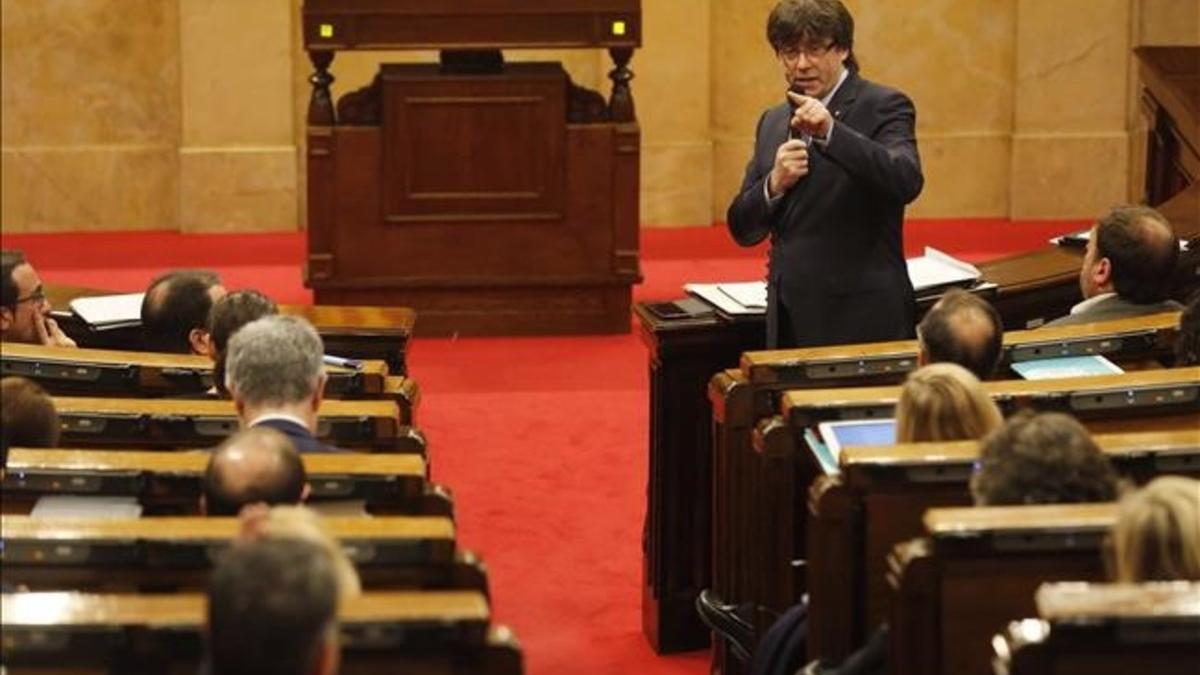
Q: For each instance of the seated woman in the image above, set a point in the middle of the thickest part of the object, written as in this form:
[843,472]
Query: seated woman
[944,402]
[1157,533]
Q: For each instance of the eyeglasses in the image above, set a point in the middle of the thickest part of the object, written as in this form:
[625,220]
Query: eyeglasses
[792,54]
[38,295]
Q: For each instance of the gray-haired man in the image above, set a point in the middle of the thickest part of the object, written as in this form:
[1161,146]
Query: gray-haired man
[275,375]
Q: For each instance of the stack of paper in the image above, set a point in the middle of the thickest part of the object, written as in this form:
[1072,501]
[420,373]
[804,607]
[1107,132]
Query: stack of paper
[110,311]
[937,270]
[734,299]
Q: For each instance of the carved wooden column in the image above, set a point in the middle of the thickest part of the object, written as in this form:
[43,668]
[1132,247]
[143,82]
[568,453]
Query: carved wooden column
[620,105]
[320,105]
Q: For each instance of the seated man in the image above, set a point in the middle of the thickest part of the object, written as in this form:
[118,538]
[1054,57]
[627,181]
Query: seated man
[253,466]
[27,416]
[272,609]
[274,373]
[24,311]
[175,311]
[1127,268]
[961,328]
[228,315]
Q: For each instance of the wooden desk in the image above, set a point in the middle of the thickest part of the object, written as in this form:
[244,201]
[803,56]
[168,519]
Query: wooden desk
[426,633]
[977,571]
[377,333]
[767,517]
[170,482]
[877,501]
[689,437]
[1106,629]
[109,422]
[547,245]
[137,374]
[173,553]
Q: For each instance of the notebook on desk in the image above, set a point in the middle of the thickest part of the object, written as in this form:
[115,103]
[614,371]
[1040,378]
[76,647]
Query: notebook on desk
[102,312]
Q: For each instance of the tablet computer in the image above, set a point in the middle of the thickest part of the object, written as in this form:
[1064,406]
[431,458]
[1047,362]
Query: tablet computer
[838,435]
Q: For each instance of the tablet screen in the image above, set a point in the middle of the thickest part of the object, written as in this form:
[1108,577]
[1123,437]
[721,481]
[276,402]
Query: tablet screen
[838,435]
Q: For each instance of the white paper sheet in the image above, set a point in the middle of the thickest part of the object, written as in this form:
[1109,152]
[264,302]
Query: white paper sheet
[106,310]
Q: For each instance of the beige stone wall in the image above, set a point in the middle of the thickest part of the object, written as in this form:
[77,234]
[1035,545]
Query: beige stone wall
[189,114]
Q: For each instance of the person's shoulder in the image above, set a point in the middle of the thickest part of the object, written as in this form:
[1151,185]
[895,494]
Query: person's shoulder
[870,90]
[776,112]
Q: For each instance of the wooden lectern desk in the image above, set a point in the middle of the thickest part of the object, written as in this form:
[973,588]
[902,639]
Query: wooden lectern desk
[493,198]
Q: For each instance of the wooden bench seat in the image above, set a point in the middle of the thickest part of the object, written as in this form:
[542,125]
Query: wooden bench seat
[103,372]
[423,633]
[1120,340]
[174,552]
[976,570]
[763,518]
[694,494]
[1106,629]
[170,482]
[878,499]
[114,422]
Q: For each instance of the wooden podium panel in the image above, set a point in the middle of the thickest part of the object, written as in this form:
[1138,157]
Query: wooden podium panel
[462,149]
[506,24]
[494,198]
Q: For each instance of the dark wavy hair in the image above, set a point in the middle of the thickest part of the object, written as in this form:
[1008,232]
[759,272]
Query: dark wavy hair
[10,260]
[809,21]
[1046,458]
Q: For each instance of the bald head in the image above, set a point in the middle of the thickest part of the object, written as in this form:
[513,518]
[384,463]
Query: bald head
[255,465]
[962,328]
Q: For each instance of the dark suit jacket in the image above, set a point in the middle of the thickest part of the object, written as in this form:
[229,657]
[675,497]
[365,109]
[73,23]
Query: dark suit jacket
[1115,307]
[300,436]
[837,250]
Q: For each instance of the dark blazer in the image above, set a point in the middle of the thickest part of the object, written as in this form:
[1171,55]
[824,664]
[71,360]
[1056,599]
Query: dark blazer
[300,436]
[836,272]
[1115,307]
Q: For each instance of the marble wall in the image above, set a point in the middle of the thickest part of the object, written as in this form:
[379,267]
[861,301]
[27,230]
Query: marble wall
[189,114]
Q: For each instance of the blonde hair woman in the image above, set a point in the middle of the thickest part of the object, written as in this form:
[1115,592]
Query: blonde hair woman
[1157,534]
[298,522]
[944,402]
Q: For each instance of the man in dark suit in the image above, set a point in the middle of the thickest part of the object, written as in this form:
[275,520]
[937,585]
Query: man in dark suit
[275,375]
[1127,268]
[832,171]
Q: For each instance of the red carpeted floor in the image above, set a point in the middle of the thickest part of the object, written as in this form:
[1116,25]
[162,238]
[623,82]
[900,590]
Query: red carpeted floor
[543,440]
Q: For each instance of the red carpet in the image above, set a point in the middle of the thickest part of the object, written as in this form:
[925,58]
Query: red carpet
[543,440]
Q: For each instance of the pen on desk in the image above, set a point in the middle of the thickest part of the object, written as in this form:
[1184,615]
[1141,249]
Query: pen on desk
[353,364]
